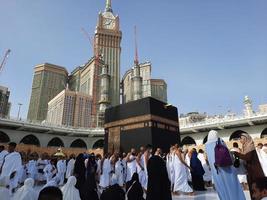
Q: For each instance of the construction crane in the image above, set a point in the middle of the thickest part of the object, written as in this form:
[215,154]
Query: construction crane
[88,37]
[95,75]
[97,52]
[4,60]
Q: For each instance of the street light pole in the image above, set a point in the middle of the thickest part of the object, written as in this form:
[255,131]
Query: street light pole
[20,104]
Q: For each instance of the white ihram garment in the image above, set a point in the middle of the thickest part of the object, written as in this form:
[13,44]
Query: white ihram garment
[180,180]
[49,171]
[22,173]
[61,169]
[131,168]
[12,163]
[187,161]
[119,172]
[146,174]
[142,173]
[32,169]
[124,165]
[2,156]
[207,176]
[40,168]
[170,168]
[69,191]
[105,176]
[4,192]
[26,192]
[70,168]
[53,182]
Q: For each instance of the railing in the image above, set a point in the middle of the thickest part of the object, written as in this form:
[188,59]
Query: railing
[207,121]
[222,120]
[48,125]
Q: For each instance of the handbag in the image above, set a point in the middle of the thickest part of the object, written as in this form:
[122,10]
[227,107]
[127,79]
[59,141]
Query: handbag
[236,161]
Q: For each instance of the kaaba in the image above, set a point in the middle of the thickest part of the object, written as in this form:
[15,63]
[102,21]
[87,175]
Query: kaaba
[139,123]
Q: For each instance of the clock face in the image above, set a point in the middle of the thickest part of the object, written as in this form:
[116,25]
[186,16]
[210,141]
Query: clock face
[108,23]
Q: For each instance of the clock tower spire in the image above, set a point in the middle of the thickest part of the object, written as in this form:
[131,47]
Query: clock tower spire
[108,41]
[108,6]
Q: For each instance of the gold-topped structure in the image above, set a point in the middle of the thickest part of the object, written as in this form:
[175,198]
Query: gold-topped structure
[59,153]
[108,6]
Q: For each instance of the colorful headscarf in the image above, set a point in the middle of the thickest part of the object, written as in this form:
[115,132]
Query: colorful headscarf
[248,146]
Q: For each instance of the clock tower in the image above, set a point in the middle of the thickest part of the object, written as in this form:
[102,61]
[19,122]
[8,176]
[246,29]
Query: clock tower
[107,41]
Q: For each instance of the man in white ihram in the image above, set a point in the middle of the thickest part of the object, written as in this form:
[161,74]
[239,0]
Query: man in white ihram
[70,166]
[11,166]
[3,153]
[61,169]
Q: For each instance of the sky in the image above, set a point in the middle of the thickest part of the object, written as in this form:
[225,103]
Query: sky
[211,53]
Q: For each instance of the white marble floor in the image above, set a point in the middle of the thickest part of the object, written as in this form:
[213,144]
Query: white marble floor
[210,194]
[207,195]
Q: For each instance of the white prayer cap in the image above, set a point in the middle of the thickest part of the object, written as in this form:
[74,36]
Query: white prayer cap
[114,179]
[213,136]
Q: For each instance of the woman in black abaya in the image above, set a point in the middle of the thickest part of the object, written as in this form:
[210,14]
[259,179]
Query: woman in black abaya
[159,187]
[89,189]
[134,190]
[197,172]
[79,172]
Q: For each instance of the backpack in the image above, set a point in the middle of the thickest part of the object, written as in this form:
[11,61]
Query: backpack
[222,155]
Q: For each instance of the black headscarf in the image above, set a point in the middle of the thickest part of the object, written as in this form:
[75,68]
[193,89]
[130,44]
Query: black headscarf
[196,165]
[91,172]
[89,189]
[134,188]
[159,187]
[114,192]
[79,171]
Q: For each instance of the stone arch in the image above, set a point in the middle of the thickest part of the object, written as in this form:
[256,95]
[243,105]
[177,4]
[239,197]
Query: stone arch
[99,144]
[188,141]
[78,144]
[236,135]
[30,139]
[264,133]
[205,139]
[4,137]
[55,142]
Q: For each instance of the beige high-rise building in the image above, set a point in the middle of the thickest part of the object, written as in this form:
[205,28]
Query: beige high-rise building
[48,81]
[75,78]
[107,42]
[156,88]
[70,108]
[86,79]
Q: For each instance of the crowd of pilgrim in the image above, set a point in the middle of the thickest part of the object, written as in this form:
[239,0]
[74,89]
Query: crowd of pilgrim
[145,174]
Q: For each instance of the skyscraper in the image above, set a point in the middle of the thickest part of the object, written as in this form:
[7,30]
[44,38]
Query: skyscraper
[70,108]
[156,88]
[48,81]
[89,83]
[107,43]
